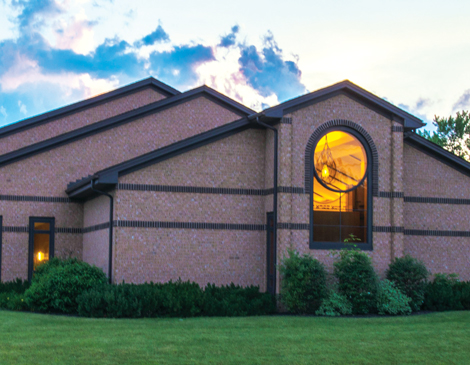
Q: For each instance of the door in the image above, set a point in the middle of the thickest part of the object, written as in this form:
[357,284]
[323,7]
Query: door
[271,255]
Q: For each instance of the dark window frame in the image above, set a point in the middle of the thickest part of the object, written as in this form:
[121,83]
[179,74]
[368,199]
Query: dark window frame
[32,231]
[339,245]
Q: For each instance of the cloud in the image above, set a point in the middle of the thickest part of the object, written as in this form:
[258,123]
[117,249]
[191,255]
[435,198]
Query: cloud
[229,39]
[463,103]
[159,35]
[178,66]
[267,71]
[3,112]
[22,108]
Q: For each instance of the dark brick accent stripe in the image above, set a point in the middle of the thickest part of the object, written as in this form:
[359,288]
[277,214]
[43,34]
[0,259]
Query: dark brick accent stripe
[15,229]
[286,120]
[422,232]
[294,226]
[290,190]
[343,123]
[388,229]
[419,199]
[391,194]
[191,225]
[69,230]
[396,128]
[42,199]
[97,227]
[191,189]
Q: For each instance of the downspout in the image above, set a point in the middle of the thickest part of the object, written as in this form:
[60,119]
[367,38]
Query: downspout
[111,208]
[274,192]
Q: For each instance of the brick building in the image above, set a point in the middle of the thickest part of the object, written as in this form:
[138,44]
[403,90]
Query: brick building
[192,179]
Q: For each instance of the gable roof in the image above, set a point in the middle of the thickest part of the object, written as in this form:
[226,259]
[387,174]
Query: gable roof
[127,117]
[108,178]
[354,92]
[25,124]
[434,150]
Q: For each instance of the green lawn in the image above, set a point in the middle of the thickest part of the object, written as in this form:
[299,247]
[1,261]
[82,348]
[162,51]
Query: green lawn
[438,338]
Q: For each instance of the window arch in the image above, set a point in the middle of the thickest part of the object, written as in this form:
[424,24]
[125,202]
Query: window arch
[341,168]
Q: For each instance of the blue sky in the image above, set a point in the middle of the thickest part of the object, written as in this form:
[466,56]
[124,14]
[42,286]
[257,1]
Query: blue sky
[56,52]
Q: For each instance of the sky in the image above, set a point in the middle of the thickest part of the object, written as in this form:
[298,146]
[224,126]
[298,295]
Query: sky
[414,54]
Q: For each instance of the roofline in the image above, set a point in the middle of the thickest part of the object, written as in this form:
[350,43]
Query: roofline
[124,118]
[108,178]
[352,90]
[25,124]
[434,150]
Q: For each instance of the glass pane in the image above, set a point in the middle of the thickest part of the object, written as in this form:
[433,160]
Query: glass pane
[340,160]
[326,233]
[42,226]
[40,248]
[353,234]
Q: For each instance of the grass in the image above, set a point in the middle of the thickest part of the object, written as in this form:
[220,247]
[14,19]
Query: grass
[437,338]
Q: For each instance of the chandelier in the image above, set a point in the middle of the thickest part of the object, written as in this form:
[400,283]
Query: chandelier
[327,164]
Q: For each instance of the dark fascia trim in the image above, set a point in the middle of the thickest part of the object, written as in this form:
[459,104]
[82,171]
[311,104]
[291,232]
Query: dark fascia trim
[118,120]
[108,178]
[353,91]
[23,125]
[431,149]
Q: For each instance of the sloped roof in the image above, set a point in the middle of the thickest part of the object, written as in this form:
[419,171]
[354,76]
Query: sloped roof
[120,119]
[92,102]
[354,92]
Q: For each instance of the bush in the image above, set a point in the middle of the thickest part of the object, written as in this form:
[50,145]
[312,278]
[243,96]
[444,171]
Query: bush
[334,305]
[234,300]
[446,292]
[303,285]
[357,280]
[173,299]
[16,286]
[409,275]
[13,301]
[390,299]
[57,284]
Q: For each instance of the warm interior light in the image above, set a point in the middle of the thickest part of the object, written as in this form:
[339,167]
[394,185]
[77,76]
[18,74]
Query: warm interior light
[40,256]
[325,173]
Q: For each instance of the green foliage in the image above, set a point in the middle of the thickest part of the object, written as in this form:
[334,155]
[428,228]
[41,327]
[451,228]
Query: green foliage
[446,292]
[409,275]
[13,301]
[357,280]
[233,300]
[57,283]
[16,286]
[334,305]
[303,285]
[173,299]
[390,299]
[452,133]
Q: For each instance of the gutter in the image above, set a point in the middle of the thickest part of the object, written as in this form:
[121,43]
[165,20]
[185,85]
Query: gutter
[111,210]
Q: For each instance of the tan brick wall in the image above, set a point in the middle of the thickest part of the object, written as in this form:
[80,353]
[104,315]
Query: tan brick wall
[79,119]
[15,247]
[81,158]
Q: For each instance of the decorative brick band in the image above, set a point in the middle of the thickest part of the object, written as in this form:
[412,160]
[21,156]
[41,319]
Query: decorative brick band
[97,227]
[388,229]
[396,128]
[15,229]
[342,123]
[286,120]
[42,199]
[294,226]
[191,225]
[391,194]
[69,230]
[192,189]
[57,229]
[422,232]
[419,199]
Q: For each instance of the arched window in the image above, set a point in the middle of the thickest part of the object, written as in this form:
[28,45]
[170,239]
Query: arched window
[341,199]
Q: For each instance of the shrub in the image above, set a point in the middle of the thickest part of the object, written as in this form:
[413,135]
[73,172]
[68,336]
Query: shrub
[57,283]
[390,299]
[303,285]
[357,280]
[16,286]
[234,300]
[446,292]
[13,301]
[409,275]
[334,305]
